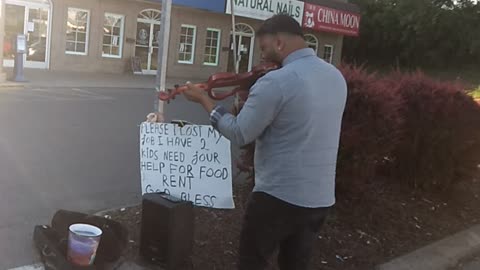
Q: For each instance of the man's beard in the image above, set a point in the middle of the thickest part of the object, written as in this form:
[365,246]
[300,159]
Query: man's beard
[274,57]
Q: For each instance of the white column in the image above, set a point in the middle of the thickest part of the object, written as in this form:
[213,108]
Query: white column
[163,53]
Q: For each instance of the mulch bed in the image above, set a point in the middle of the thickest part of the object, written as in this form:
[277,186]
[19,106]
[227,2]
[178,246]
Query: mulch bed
[363,231]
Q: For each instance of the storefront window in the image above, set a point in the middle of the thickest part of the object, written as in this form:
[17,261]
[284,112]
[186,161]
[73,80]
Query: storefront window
[186,48]
[312,42]
[328,53]
[77,31]
[113,35]
[211,47]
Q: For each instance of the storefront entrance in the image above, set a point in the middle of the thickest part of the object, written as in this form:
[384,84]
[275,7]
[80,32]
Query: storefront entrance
[31,18]
[146,48]
[245,44]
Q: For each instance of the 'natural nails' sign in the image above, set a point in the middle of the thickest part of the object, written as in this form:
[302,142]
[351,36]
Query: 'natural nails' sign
[264,9]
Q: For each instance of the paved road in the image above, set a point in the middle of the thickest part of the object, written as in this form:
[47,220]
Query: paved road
[474,264]
[70,148]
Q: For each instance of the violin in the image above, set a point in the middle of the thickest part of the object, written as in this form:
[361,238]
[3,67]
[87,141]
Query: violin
[243,81]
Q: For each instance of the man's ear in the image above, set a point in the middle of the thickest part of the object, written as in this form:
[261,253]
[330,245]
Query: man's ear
[283,40]
[279,43]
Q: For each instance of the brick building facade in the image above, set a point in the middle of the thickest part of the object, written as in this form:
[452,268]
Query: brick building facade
[105,35]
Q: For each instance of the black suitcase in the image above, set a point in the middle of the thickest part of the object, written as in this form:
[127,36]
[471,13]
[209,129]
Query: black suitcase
[167,232]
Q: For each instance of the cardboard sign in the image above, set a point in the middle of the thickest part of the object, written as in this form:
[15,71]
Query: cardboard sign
[192,163]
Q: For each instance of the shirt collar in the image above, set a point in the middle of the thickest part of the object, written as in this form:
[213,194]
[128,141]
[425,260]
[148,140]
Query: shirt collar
[297,55]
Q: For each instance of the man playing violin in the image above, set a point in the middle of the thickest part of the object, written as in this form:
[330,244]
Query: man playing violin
[294,116]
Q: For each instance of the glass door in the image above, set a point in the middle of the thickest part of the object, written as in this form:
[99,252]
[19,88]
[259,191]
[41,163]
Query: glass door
[142,46]
[244,53]
[37,31]
[231,64]
[33,22]
[154,45]
[146,47]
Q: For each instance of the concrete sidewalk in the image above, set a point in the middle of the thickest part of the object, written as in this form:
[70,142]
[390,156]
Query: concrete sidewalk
[47,78]
[474,264]
[442,255]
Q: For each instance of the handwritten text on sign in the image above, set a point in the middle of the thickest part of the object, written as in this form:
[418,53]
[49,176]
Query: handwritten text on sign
[192,163]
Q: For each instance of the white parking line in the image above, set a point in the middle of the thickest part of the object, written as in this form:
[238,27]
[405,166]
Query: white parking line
[37,266]
[68,94]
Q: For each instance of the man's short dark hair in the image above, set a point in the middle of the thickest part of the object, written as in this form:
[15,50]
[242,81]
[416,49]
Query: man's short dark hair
[281,23]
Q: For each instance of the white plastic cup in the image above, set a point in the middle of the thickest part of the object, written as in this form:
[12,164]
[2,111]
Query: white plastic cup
[83,241]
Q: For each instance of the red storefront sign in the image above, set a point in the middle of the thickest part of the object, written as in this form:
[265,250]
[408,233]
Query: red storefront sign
[321,18]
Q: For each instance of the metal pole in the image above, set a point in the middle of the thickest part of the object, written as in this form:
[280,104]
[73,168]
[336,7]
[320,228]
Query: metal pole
[2,36]
[234,37]
[164,38]
[236,100]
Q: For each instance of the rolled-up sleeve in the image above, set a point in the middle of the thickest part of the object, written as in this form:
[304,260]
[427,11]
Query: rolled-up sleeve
[262,106]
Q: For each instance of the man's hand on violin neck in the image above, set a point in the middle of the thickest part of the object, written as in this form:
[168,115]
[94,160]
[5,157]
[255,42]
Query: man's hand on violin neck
[198,95]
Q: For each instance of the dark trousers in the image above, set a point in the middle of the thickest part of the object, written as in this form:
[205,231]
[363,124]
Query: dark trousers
[272,224]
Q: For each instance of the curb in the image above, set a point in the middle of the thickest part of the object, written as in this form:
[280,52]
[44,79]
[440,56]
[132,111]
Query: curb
[37,266]
[440,255]
[103,212]
[11,85]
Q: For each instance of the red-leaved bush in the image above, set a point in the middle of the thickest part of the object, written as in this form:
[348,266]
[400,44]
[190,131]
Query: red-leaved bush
[371,127]
[425,131]
[441,143]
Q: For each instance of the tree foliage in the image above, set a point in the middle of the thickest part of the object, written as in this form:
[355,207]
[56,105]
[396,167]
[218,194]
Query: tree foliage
[416,33]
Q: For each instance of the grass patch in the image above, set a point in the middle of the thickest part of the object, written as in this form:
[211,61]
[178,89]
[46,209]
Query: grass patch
[476,93]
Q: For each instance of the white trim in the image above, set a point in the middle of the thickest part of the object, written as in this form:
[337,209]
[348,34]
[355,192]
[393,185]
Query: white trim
[330,60]
[111,55]
[122,27]
[35,64]
[150,46]
[250,56]
[49,34]
[309,43]
[27,5]
[252,51]
[252,33]
[76,53]
[194,27]
[148,21]
[219,31]
[149,71]
[151,20]
[87,33]
[252,43]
